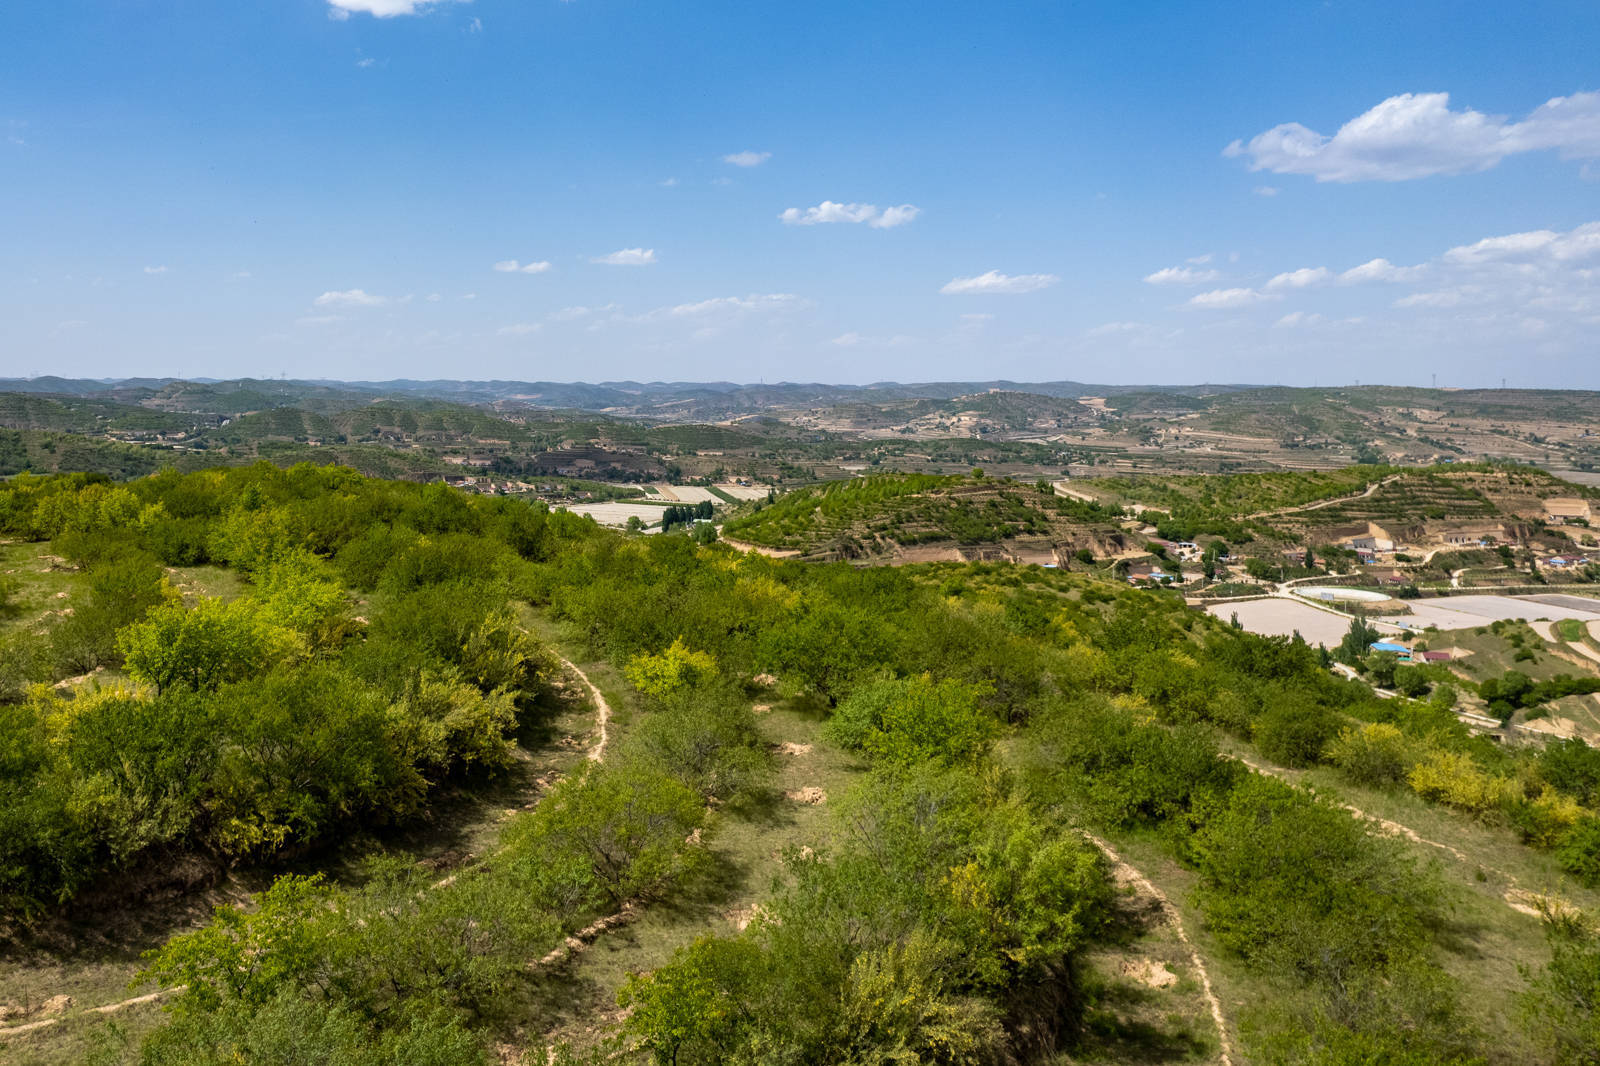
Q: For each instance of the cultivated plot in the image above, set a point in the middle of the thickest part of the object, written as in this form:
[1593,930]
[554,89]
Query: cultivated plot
[1465,612]
[617,514]
[1283,618]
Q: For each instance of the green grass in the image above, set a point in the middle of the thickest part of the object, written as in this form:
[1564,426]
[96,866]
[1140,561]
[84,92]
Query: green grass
[45,583]
[745,843]
[1571,629]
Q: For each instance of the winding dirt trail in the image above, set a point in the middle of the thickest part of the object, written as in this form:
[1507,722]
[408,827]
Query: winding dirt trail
[1126,874]
[1317,505]
[602,712]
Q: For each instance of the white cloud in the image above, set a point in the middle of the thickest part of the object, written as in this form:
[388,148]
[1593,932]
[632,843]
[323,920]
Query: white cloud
[1304,278]
[1198,260]
[628,257]
[1182,275]
[1227,299]
[519,329]
[747,159]
[365,63]
[1379,270]
[1109,329]
[1416,135]
[318,320]
[895,216]
[1445,298]
[349,298]
[775,301]
[155,270]
[829,211]
[1299,318]
[511,266]
[383,9]
[572,314]
[1265,190]
[858,340]
[1580,243]
[669,183]
[434,297]
[242,275]
[996,282]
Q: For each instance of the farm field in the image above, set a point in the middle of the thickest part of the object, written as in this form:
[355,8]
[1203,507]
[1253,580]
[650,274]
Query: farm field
[1280,617]
[1460,612]
[617,514]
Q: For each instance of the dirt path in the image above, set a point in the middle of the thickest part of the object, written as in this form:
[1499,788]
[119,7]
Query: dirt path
[1126,874]
[602,712]
[109,1008]
[747,547]
[1317,505]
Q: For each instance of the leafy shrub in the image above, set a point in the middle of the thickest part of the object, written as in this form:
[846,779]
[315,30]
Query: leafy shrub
[606,835]
[1453,779]
[1295,733]
[916,720]
[1374,754]
[1294,885]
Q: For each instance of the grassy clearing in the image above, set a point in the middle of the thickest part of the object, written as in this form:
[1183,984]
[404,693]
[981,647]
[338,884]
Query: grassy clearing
[579,1000]
[44,583]
[1492,654]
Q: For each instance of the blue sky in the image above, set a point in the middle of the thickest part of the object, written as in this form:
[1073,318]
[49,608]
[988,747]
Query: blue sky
[1278,192]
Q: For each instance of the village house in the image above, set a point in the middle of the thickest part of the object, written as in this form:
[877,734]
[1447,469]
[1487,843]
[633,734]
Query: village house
[1559,510]
[1369,537]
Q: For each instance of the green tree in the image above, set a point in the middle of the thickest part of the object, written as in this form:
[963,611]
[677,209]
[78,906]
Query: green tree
[606,835]
[203,647]
[916,720]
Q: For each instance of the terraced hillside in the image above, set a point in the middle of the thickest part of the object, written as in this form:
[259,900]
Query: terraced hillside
[895,514]
[1289,505]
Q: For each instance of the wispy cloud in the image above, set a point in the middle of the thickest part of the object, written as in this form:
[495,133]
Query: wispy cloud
[747,159]
[1227,299]
[1379,270]
[1416,135]
[1182,275]
[1304,278]
[829,211]
[156,269]
[383,9]
[627,257]
[349,298]
[996,282]
[1298,318]
[756,302]
[511,266]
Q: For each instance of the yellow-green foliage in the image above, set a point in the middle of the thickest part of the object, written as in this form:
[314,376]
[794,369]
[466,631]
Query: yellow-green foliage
[212,644]
[1453,779]
[675,669]
[1374,754]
